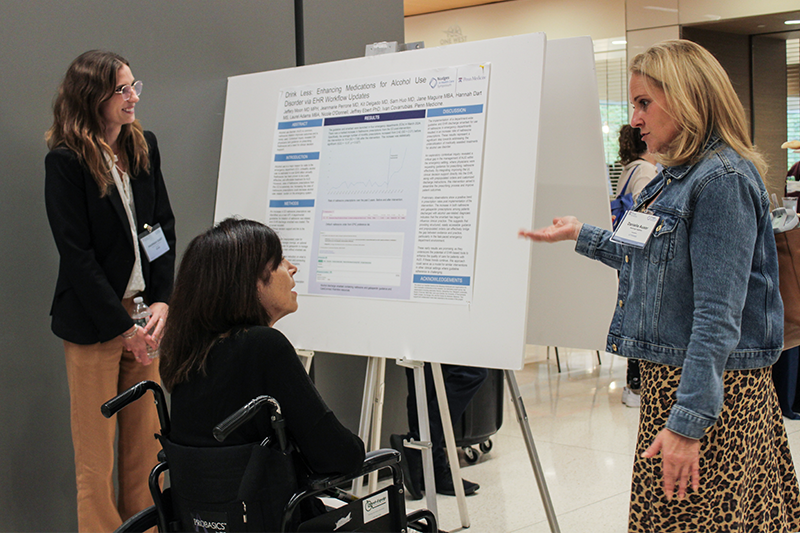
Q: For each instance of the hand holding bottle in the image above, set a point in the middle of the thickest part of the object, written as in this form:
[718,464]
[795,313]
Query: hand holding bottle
[150,322]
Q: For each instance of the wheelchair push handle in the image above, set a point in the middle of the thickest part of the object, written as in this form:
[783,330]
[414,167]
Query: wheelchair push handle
[248,411]
[114,405]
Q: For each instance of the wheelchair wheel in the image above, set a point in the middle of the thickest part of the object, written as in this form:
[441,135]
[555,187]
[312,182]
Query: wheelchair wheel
[470,454]
[486,446]
[140,522]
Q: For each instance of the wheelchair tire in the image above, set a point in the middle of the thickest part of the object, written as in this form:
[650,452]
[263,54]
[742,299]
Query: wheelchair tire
[470,454]
[140,522]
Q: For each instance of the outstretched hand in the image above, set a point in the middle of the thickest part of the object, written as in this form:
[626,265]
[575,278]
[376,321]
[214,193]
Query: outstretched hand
[563,229]
[680,460]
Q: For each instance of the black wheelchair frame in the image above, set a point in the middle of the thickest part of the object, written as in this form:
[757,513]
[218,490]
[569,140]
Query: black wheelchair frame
[163,515]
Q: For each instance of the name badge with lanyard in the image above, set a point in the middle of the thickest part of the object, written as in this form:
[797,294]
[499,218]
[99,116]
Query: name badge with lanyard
[635,229]
[153,241]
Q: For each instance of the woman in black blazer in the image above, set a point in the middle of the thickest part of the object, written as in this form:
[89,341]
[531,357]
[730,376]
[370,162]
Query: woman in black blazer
[103,192]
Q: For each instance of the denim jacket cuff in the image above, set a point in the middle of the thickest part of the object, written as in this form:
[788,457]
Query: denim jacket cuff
[688,424]
[588,241]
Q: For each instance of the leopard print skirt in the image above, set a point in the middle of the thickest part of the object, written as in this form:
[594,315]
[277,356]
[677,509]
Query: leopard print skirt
[747,480]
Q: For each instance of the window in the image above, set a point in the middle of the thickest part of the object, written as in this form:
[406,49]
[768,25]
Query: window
[612,87]
[793,96]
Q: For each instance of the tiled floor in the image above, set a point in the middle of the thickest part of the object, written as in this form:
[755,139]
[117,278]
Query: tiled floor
[584,437]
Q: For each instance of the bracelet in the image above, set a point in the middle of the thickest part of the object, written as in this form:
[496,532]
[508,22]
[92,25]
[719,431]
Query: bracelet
[132,334]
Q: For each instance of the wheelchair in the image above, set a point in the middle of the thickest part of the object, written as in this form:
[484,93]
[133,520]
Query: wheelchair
[253,487]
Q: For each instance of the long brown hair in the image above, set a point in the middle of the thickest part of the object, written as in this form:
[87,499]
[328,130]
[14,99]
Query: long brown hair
[78,122]
[699,97]
[216,292]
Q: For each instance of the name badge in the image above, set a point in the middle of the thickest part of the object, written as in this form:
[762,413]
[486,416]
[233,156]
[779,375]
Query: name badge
[153,241]
[634,229]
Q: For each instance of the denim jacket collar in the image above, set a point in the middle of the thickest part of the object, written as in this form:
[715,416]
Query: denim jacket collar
[678,172]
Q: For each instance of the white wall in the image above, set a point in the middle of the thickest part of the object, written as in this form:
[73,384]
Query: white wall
[641,13]
[599,19]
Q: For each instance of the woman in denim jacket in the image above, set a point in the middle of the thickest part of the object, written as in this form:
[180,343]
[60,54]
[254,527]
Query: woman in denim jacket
[699,305]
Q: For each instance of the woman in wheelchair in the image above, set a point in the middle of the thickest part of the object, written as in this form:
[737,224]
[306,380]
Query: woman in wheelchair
[220,350]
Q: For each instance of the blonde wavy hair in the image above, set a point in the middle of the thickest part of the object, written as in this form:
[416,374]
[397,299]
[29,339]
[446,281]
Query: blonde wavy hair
[699,97]
[78,121]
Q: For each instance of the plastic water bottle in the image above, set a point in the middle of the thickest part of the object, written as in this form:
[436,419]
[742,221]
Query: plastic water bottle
[141,315]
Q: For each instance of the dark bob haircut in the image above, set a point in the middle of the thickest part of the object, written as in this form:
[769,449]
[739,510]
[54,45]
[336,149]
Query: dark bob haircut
[216,292]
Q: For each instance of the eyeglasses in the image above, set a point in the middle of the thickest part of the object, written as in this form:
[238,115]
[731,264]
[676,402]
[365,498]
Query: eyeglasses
[127,90]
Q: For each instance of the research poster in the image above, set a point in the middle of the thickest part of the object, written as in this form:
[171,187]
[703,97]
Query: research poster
[374,183]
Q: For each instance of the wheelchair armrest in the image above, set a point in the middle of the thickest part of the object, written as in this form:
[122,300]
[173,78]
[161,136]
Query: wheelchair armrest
[374,460]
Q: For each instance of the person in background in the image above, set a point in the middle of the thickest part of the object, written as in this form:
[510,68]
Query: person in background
[103,186]
[699,306]
[786,370]
[639,168]
[638,165]
[220,350]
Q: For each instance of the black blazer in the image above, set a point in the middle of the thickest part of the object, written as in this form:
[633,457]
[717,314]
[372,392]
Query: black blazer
[95,246]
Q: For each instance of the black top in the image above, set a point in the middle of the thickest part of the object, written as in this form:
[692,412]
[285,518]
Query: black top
[251,362]
[95,245]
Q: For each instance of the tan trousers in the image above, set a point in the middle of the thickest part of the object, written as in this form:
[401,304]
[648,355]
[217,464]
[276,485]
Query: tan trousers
[97,373]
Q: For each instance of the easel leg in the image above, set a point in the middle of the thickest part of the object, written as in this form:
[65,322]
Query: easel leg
[522,418]
[379,382]
[367,404]
[425,438]
[450,442]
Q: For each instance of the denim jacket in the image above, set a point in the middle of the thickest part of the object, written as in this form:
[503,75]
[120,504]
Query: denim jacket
[703,292]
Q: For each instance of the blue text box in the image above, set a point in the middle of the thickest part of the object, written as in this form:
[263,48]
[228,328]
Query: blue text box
[304,156]
[441,280]
[292,124]
[455,110]
[291,203]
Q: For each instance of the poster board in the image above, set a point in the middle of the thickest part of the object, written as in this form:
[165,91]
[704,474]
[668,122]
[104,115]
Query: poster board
[491,330]
[571,297]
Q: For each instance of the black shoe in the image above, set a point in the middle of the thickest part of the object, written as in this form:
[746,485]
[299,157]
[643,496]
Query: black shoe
[444,485]
[410,465]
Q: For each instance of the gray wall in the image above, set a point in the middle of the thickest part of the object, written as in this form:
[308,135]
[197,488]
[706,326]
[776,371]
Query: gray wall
[183,50]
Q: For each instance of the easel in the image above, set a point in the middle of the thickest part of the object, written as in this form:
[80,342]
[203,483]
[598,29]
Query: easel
[371,421]
[372,326]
